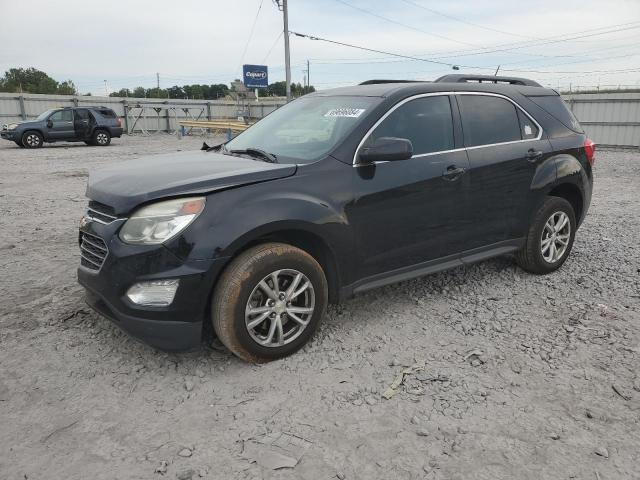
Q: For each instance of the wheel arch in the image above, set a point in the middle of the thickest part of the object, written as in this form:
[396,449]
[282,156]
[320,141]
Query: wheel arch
[304,239]
[34,130]
[572,194]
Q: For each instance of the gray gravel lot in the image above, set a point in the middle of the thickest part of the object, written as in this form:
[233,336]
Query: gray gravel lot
[514,376]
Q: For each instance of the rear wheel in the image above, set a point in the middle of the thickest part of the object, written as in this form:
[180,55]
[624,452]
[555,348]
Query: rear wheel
[550,237]
[31,140]
[101,138]
[269,301]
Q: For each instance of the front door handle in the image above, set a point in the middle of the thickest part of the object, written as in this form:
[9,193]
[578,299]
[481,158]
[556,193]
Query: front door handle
[453,173]
[533,155]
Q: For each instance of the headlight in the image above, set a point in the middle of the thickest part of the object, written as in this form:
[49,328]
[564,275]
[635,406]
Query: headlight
[158,222]
[12,126]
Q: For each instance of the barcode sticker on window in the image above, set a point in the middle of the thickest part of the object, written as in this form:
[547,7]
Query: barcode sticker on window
[527,130]
[345,112]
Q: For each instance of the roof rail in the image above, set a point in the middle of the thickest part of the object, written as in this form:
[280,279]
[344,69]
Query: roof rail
[461,78]
[376,82]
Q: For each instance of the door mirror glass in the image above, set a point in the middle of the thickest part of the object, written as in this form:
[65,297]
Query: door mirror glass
[387,149]
[49,123]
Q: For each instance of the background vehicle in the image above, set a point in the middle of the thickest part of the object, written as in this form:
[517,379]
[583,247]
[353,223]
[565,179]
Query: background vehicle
[92,125]
[333,194]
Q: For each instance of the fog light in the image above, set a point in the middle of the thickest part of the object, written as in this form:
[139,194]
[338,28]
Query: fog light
[157,293]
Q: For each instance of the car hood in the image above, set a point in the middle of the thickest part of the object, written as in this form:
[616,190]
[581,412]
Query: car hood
[131,183]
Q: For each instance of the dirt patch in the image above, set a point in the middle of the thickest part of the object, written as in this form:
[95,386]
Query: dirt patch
[517,376]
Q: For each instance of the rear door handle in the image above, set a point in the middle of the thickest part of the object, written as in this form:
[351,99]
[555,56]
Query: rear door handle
[453,173]
[533,155]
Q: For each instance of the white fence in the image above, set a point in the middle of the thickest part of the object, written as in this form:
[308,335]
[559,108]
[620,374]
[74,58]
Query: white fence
[139,114]
[610,119]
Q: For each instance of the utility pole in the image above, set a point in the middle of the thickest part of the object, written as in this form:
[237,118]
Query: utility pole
[308,76]
[106,90]
[282,6]
[158,82]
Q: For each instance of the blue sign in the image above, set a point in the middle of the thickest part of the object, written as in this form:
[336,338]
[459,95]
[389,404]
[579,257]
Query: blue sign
[255,76]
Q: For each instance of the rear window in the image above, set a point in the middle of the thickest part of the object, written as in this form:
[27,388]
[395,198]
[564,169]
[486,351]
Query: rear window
[107,112]
[555,106]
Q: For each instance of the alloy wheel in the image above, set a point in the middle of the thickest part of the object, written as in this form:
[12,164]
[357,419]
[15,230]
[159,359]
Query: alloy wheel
[280,308]
[33,140]
[555,237]
[101,138]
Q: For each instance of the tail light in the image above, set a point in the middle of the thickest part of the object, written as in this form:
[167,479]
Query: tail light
[590,150]
[120,124]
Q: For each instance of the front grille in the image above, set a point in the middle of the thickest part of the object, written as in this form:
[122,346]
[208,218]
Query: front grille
[101,213]
[93,251]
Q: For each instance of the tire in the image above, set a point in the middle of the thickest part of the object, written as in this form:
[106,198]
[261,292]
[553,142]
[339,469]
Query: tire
[537,255]
[101,138]
[19,143]
[32,139]
[239,288]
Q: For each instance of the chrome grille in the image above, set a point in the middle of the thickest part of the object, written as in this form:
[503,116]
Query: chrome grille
[101,213]
[93,251]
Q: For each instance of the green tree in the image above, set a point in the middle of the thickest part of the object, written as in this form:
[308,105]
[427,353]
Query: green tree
[67,88]
[123,92]
[139,92]
[28,80]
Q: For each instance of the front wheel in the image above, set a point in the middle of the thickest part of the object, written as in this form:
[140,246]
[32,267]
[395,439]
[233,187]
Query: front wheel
[32,140]
[550,237]
[269,301]
[19,143]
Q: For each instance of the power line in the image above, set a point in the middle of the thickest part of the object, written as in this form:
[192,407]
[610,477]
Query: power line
[273,46]
[511,46]
[546,42]
[386,19]
[451,17]
[418,59]
[253,26]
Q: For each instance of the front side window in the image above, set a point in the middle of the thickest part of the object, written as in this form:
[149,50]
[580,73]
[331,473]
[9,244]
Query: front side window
[487,120]
[306,129]
[426,122]
[62,116]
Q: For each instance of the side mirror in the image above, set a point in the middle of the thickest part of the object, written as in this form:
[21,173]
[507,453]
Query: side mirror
[387,149]
[49,123]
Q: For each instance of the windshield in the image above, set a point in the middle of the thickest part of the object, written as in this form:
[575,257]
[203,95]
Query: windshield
[305,129]
[44,115]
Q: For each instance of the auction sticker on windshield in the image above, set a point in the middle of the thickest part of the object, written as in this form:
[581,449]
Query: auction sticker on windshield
[345,112]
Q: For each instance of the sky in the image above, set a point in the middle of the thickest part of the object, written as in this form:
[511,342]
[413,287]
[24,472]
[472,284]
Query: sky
[559,43]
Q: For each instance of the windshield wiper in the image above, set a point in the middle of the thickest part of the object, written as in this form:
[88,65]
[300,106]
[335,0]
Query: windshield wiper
[256,152]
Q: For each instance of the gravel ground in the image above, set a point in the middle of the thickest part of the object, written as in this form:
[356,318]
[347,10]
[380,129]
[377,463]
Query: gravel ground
[508,375]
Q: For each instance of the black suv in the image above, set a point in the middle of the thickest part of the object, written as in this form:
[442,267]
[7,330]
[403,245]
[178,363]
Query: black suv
[335,193]
[92,125]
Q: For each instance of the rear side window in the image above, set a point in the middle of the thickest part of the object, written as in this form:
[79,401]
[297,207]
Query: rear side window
[82,114]
[107,112]
[555,106]
[487,120]
[426,121]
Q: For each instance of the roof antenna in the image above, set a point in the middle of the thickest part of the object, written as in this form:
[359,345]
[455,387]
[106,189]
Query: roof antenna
[497,70]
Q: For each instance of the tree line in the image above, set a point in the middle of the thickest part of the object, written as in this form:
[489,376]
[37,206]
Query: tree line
[209,92]
[32,80]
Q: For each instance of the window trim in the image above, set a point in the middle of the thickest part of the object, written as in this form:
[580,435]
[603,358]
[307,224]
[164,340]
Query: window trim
[436,94]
